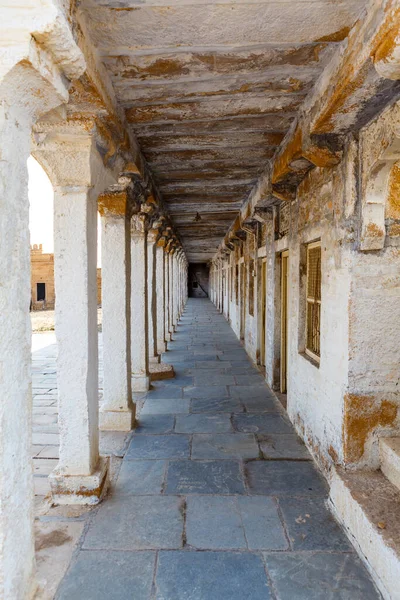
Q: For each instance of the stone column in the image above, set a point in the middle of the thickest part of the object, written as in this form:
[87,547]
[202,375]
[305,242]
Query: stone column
[171,291]
[80,476]
[30,85]
[152,236]
[160,296]
[174,290]
[117,411]
[139,321]
[167,332]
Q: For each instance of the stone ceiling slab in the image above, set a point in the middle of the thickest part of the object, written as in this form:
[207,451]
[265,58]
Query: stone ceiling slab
[209,90]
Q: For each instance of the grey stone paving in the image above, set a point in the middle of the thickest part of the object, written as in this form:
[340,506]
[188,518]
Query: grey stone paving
[217,498]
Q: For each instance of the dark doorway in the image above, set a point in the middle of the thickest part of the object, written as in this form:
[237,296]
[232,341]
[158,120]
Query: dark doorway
[198,280]
[40,291]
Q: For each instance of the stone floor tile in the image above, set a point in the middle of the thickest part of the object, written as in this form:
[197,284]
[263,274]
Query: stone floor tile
[135,523]
[150,424]
[253,379]
[262,524]
[140,477]
[211,576]
[212,364]
[214,523]
[158,446]
[165,406]
[203,423]
[265,423]
[205,392]
[204,477]
[163,392]
[317,576]
[224,445]
[286,478]
[215,405]
[311,525]
[99,575]
[286,445]
[213,378]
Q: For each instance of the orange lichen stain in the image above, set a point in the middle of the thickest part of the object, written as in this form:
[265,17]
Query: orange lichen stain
[333,454]
[292,151]
[112,203]
[321,157]
[386,40]
[338,36]
[393,198]
[362,415]
[373,231]
[394,230]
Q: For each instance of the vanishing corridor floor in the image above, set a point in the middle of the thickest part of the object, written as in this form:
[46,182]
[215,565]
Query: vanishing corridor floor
[216,498]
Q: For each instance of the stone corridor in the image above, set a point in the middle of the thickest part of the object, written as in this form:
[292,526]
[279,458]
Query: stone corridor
[217,497]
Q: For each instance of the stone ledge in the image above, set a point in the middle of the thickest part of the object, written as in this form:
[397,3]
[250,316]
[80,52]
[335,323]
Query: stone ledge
[368,506]
[161,371]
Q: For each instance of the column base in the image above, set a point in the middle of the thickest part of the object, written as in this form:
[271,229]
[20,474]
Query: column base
[117,420]
[161,371]
[167,337]
[161,347]
[80,489]
[155,359]
[140,383]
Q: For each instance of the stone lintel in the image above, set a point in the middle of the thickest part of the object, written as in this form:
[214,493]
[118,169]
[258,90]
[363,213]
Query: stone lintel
[80,489]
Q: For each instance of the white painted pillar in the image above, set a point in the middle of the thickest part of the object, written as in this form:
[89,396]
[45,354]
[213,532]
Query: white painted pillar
[171,293]
[154,357]
[167,332]
[16,484]
[160,298]
[117,411]
[139,322]
[80,475]
[174,290]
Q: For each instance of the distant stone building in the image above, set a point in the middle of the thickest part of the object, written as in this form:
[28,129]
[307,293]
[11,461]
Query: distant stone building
[42,279]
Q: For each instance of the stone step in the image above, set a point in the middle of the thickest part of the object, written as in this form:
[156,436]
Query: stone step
[389,451]
[368,506]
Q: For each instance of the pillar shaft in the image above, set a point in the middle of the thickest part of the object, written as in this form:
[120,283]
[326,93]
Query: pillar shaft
[75,264]
[160,299]
[16,485]
[151,297]
[171,295]
[117,411]
[167,332]
[139,321]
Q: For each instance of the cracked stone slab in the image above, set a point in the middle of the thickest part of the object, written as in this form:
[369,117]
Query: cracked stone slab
[207,575]
[312,576]
[103,575]
[271,423]
[203,423]
[311,525]
[140,477]
[284,478]
[135,523]
[204,477]
[158,446]
[283,445]
[223,446]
